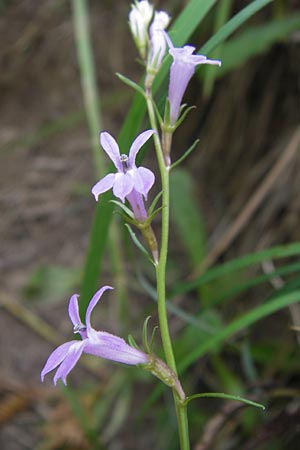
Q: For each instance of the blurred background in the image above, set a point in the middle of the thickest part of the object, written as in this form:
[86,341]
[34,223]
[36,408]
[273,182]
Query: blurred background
[237,194]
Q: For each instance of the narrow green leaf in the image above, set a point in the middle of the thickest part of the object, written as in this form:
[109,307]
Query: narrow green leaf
[131,83]
[235,398]
[185,155]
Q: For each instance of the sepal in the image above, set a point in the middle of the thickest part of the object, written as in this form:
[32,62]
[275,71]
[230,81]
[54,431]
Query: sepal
[154,203]
[124,208]
[164,373]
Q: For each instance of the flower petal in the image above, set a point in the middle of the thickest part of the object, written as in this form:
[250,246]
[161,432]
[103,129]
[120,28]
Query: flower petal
[143,180]
[103,185]
[56,357]
[123,185]
[182,69]
[111,148]
[90,308]
[73,355]
[114,348]
[137,144]
[73,310]
[180,75]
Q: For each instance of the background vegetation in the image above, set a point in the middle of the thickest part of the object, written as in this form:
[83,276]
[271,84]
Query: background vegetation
[233,275]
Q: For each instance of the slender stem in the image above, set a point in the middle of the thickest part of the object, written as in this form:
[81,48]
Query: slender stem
[162,262]
[181,410]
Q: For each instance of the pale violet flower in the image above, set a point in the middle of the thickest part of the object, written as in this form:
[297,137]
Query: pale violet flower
[158,43]
[97,343]
[130,181]
[139,19]
[182,70]
[157,47]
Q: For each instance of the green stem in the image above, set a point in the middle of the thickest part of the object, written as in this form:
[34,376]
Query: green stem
[181,410]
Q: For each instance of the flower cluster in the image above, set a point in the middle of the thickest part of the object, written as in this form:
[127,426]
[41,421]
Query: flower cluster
[97,343]
[133,184]
[157,41]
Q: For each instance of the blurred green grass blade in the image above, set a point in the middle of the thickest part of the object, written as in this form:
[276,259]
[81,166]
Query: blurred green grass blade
[238,264]
[254,41]
[186,216]
[189,19]
[232,25]
[88,79]
[239,288]
[96,248]
[209,73]
[247,319]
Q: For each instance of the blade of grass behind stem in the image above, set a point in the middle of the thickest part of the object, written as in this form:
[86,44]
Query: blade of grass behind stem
[88,80]
[232,25]
[210,72]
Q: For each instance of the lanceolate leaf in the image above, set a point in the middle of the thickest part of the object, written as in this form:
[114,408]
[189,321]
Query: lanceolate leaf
[235,398]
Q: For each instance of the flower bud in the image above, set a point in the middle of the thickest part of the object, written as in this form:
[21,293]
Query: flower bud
[139,19]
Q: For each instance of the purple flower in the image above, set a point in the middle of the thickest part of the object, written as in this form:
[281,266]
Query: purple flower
[129,177]
[97,343]
[182,70]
